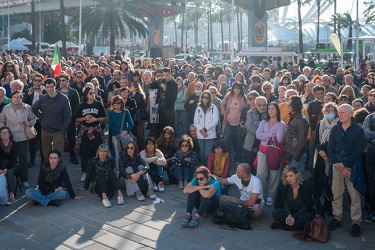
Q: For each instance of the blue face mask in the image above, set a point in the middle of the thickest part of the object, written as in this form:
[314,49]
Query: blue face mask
[330,116]
[197,91]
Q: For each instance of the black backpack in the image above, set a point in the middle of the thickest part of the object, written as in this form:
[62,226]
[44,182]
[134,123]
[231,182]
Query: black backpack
[233,214]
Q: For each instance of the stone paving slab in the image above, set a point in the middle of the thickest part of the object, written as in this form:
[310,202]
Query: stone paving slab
[86,224]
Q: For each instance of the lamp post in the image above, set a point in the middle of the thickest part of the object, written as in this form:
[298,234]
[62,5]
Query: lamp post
[357,42]
[40,23]
[8,26]
[80,27]
[232,35]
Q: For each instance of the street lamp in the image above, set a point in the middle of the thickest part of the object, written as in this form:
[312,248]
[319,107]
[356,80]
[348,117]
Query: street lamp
[8,26]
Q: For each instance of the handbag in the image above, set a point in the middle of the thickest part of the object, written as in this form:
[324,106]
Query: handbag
[122,141]
[30,132]
[3,190]
[315,230]
[233,214]
[273,154]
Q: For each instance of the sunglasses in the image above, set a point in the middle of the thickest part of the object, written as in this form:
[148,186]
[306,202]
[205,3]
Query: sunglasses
[167,132]
[371,95]
[91,93]
[119,103]
[130,148]
[35,80]
[200,179]
[344,99]
[79,76]
[266,88]
[62,80]
[184,145]
[205,97]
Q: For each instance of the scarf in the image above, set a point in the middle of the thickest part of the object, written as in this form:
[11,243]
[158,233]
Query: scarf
[182,154]
[219,164]
[6,148]
[325,129]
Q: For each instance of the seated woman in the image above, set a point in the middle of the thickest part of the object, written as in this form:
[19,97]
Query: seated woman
[50,181]
[133,174]
[219,162]
[185,160]
[204,193]
[155,159]
[8,161]
[100,171]
[167,145]
[294,204]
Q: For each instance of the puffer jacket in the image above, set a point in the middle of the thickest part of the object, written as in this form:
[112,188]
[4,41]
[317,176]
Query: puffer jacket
[16,121]
[296,136]
[253,120]
[207,121]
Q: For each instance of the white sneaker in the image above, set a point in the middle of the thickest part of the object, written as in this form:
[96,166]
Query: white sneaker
[140,196]
[25,184]
[151,194]
[83,178]
[120,199]
[154,186]
[161,186]
[269,201]
[106,203]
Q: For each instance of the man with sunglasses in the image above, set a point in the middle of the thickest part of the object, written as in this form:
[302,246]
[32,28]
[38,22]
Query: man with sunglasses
[345,148]
[73,97]
[54,112]
[78,83]
[250,189]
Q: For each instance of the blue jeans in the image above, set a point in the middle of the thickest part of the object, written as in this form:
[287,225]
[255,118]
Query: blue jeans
[181,123]
[184,172]
[300,164]
[36,195]
[205,146]
[234,133]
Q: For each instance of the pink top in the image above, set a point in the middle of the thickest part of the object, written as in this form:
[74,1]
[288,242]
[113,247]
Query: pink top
[264,132]
[234,114]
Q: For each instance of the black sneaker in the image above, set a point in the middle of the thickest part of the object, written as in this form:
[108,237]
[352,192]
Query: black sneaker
[356,230]
[334,224]
[53,203]
[74,160]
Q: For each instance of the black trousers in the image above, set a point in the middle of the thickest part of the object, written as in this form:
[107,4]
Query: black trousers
[201,204]
[279,215]
[71,133]
[166,118]
[88,148]
[370,166]
[107,183]
[321,183]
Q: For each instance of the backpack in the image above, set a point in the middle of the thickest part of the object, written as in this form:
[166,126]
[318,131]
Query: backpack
[233,214]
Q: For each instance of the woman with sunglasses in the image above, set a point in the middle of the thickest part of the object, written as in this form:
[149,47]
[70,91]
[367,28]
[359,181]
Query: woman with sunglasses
[115,116]
[133,176]
[10,67]
[231,108]
[370,105]
[167,145]
[267,88]
[101,173]
[185,161]
[206,118]
[89,114]
[152,156]
[295,200]
[203,194]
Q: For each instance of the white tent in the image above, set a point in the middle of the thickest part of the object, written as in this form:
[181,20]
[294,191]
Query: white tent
[14,45]
[24,41]
[68,45]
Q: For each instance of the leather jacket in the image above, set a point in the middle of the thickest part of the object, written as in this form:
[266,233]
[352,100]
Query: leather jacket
[296,135]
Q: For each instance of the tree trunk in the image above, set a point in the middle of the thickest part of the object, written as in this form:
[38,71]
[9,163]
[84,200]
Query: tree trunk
[318,22]
[63,33]
[112,36]
[33,29]
[300,37]
[222,30]
[349,45]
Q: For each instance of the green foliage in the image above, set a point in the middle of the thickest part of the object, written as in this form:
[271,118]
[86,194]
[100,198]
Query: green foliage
[369,13]
[23,33]
[52,32]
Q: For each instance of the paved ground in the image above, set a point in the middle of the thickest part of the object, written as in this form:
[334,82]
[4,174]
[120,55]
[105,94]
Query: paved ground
[86,224]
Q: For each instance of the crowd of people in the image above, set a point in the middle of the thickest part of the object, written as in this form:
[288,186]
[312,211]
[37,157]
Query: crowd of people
[200,120]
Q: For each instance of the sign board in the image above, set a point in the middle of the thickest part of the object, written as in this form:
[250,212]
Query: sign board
[154,118]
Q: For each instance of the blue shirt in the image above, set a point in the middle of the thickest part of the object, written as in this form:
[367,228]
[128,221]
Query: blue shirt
[115,119]
[212,181]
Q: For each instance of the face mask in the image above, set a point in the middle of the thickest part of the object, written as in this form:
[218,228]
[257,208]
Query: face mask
[330,116]
[197,91]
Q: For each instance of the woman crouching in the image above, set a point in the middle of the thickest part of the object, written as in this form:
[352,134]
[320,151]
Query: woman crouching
[204,192]
[100,172]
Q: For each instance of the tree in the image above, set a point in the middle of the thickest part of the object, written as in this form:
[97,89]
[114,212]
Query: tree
[337,20]
[62,20]
[52,32]
[348,22]
[112,17]
[24,33]
[300,3]
[369,13]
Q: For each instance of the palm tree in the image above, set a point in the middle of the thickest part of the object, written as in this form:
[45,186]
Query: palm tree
[224,14]
[112,17]
[348,22]
[63,38]
[369,13]
[33,25]
[337,20]
[300,35]
[318,2]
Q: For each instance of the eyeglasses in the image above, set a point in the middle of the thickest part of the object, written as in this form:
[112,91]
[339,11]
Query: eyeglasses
[35,80]
[205,97]
[119,103]
[200,179]
[91,93]
[130,148]
[22,77]
[167,133]
[371,95]
[184,145]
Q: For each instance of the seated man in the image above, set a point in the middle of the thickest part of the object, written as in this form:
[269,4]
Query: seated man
[250,188]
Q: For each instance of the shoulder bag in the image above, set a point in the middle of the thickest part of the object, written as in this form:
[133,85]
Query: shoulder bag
[315,230]
[122,141]
[30,132]
[273,154]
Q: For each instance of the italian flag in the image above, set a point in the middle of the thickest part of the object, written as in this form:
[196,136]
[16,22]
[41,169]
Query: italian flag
[56,62]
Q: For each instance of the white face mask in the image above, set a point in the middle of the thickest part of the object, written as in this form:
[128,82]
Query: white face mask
[197,91]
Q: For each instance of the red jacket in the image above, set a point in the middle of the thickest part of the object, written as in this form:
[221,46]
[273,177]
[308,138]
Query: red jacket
[211,162]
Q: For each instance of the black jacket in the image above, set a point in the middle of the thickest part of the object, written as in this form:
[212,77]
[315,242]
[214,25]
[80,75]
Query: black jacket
[50,179]
[95,167]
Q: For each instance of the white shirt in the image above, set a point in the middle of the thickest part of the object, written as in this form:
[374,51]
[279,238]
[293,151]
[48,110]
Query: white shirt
[255,186]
